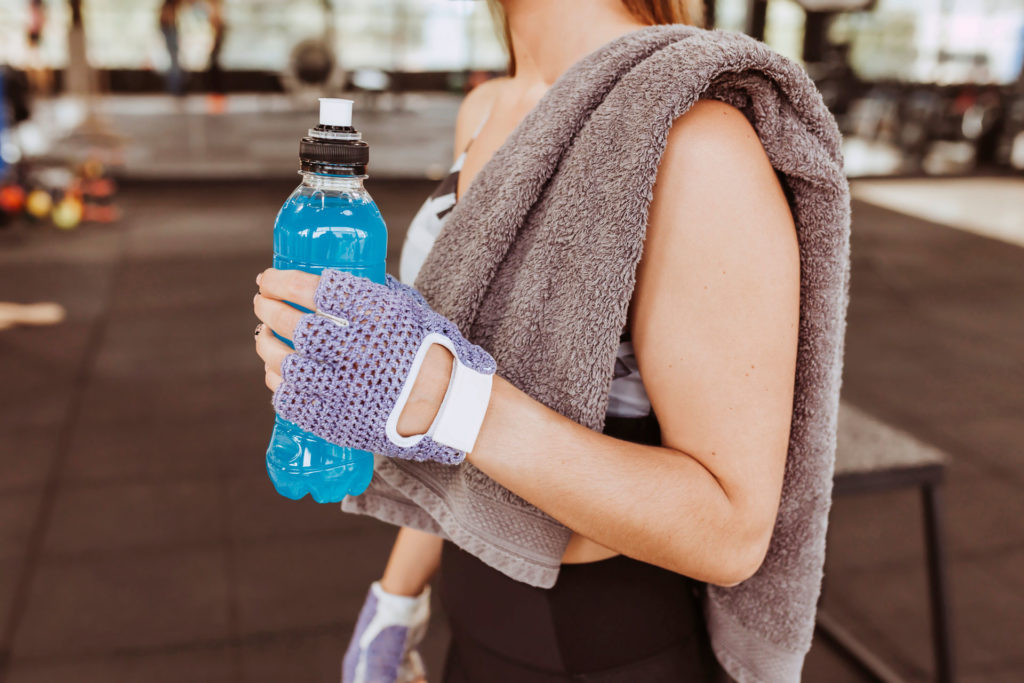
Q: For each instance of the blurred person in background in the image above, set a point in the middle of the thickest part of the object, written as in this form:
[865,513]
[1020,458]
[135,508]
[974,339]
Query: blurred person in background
[214,73]
[39,72]
[168,18]
[80,78]
[626,596]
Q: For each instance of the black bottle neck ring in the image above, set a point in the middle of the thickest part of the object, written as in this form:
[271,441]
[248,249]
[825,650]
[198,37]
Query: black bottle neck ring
[334,150]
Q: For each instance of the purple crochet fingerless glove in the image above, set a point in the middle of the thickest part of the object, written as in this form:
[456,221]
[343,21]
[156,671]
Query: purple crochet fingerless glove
[412,292]
[356,360]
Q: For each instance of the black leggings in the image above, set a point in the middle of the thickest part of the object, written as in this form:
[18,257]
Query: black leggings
[617,620]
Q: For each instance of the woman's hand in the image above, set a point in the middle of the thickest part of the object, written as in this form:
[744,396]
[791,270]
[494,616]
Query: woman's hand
[278,286]
[371,367]
[296,286]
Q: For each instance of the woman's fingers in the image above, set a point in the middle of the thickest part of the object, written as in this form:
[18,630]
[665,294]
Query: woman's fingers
[278,316]
[271,349]
[288,285]
[276,287]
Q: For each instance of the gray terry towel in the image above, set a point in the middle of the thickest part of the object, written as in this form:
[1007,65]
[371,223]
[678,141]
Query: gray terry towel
[537,264]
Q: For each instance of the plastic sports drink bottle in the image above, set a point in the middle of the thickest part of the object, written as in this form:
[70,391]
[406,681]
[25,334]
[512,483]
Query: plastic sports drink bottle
[329,221]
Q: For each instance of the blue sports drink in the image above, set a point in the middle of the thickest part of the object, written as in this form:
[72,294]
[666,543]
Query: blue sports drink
[329,221]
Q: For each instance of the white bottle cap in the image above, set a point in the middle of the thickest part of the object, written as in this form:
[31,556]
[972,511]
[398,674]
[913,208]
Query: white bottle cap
[335,112]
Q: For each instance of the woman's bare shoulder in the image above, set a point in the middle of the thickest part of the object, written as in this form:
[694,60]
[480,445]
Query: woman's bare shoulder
[714,162]
[715,126]
[475,106]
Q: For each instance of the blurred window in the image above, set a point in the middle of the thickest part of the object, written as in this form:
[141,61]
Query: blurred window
[936,41]
[784,28]
[406,35]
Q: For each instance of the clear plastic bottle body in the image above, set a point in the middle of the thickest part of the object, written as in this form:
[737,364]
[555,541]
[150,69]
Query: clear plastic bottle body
[329,221]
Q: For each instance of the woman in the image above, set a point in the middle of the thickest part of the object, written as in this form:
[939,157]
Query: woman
[712,332]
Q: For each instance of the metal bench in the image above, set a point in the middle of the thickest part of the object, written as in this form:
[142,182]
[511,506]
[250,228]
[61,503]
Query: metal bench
[872,456]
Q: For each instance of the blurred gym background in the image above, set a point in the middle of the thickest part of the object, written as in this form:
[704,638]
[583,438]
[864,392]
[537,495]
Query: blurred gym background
[146,147]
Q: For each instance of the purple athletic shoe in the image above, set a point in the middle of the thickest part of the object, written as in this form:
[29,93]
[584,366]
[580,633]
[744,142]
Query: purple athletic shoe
[356,360]
[383,646]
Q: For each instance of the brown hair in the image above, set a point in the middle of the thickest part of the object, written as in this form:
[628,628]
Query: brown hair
[650,12]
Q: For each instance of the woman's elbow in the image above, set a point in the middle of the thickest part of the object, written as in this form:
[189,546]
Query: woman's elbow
[745,561]
[751,536]
[740,550]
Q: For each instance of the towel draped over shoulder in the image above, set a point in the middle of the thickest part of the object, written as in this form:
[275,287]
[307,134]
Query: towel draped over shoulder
[537,264]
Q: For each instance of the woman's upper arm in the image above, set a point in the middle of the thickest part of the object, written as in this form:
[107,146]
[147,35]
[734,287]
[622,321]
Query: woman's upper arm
[715,313]
[474,108]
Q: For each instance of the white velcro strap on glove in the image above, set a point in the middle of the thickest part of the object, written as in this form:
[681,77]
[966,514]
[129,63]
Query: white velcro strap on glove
[462,411]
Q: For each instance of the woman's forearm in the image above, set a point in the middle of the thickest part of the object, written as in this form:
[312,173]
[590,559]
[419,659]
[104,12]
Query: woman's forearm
[414,559]
[656,504]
